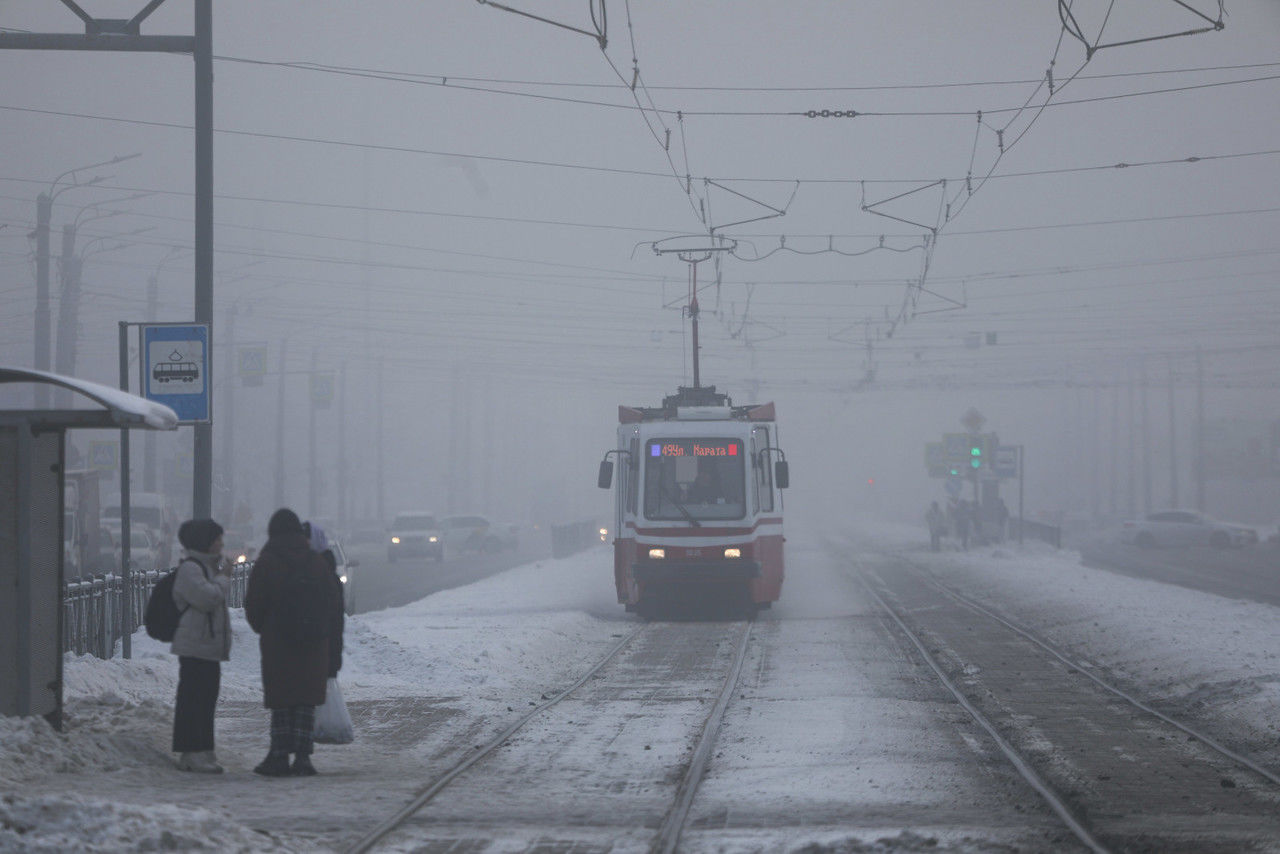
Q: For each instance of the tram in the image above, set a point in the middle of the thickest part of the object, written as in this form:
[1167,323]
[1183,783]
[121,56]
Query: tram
[698,507]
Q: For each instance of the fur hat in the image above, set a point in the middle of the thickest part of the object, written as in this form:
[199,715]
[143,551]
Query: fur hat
[284,521]
[197,535]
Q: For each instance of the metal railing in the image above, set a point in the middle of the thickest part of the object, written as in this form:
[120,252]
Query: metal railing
[91,608]
[1051,534]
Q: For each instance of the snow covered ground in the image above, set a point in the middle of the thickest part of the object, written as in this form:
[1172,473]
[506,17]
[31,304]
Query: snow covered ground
[478,655]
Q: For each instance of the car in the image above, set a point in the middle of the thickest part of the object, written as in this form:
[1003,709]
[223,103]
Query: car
[1183,528]
[507,535]
[347,567]
[469,534]
[415,533]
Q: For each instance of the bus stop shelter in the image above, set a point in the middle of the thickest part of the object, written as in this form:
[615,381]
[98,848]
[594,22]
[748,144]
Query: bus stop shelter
[32,466]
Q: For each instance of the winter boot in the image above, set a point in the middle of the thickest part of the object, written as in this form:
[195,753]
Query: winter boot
[201,762]
[209,762]
[302,766]
[275,765]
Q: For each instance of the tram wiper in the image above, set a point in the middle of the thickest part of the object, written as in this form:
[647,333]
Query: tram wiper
[684,511]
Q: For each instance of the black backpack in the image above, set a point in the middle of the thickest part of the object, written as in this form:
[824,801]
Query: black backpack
[161,616]
[305,610]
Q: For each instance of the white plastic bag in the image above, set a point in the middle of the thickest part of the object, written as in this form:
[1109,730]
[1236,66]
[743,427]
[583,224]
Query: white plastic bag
[333,722]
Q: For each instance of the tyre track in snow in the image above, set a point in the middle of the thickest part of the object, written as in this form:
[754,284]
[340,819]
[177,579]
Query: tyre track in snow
[654,669]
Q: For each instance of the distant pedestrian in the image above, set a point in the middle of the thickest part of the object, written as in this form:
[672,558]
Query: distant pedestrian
[292,604]
[963,522]
[1001,519]
[937,522]
[202,642]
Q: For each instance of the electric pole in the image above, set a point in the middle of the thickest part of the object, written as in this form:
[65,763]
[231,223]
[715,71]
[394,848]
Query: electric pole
[1146,444]
[44,212]
[342,447]
[1199,430]
[1173,442]
[229,425]
[381,496]
[280,426]
[149,439]
[68,312]
[312,474]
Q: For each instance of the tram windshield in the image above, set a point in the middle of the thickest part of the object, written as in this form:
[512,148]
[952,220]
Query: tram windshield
[694,479]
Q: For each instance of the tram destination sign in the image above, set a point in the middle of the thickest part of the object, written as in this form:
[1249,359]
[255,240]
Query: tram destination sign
[695,448]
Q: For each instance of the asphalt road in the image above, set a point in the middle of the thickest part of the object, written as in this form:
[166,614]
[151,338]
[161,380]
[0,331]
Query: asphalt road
[378,583]
[1252,574]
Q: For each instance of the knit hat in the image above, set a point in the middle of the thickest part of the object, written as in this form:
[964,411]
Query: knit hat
[284,521]
[197,535]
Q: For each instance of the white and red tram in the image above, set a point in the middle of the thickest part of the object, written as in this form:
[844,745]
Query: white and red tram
[697,503]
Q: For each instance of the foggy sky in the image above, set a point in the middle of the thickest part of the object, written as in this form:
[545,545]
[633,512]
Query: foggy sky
[469,199]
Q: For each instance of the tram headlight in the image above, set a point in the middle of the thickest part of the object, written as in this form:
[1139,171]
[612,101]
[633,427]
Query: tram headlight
[395,540]
[657,554]
[242,558]
[342,578]
[733,552]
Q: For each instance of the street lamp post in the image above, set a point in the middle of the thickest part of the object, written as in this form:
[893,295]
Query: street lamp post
[44,213]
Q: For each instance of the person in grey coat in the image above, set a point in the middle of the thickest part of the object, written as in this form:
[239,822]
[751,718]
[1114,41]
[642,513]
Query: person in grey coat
[202,642]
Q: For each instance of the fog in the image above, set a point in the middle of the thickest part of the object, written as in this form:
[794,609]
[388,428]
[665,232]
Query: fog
[450,212]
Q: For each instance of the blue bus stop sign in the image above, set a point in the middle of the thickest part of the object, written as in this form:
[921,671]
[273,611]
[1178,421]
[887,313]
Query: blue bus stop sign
[174,364]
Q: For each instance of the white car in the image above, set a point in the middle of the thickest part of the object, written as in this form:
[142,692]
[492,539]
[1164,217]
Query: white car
[469,534]
[415,534]
[346,566]
[1185,528]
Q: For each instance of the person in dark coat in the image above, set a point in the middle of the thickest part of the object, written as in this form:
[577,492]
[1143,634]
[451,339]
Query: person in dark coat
[202,642]
[294,672]
[320,543]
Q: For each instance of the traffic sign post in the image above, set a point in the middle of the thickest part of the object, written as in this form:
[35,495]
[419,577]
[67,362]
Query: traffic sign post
[174,364]
[251,363]
[1005,464]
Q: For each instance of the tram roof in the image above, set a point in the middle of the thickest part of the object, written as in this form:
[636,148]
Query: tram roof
[702,403]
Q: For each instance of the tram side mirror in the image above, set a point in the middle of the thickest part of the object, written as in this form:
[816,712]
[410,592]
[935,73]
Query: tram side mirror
[606,474]
[781,475]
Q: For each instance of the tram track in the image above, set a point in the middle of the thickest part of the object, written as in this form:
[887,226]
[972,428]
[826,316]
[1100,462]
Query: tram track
[1063,735]
[669,824]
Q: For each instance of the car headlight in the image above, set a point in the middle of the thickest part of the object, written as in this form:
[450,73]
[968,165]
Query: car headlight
[733,552]
[657,554]
[342,578]
[395,541]
[431,539]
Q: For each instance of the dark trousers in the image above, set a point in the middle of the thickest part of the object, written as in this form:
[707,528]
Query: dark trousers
[291,729]
[198,683]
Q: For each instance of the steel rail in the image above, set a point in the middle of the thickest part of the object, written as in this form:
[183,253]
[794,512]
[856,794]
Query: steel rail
[668,837]
[372,838]
[1029,635]
[1021,765]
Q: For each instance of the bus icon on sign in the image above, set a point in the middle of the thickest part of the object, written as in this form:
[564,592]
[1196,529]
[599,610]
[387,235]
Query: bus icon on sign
[183,372]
